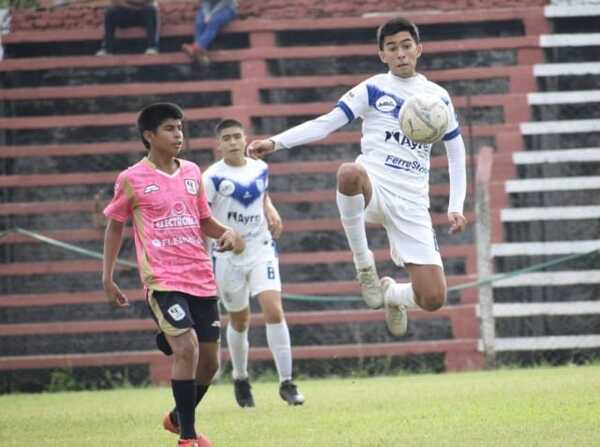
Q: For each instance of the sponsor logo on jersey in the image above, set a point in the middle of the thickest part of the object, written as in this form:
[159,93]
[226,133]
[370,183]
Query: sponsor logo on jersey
[177,240]
[386,104]
[151,188]
[404,141]
[422,150]
[178,218]
[405,165]
[191,186]
[242,218]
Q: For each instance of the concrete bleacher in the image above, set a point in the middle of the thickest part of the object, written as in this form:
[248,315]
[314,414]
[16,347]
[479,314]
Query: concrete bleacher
[81,134]
[552,207]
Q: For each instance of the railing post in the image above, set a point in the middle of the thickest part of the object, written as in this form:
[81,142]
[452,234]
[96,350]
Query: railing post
[484,255]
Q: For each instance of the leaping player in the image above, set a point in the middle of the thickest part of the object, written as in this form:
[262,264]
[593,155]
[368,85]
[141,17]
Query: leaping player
[389,182]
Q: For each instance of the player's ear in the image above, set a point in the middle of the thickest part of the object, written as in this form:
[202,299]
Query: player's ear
[148,134]
[419,50]
[382,56]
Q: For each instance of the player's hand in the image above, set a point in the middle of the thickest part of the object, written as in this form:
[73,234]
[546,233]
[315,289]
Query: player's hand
[231,240]
[458,223]
[260,148]
[275,224]
[114,294]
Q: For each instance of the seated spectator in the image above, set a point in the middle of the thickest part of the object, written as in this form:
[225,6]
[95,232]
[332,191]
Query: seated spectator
[128,13]
[212,15]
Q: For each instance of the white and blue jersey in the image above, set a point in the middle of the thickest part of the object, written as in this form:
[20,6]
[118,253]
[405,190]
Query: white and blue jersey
[397,163]
[236,196]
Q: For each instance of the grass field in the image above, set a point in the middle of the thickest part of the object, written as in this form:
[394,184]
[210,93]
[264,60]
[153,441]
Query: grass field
[525,407]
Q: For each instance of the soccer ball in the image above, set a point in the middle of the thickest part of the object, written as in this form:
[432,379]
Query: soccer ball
[424,118]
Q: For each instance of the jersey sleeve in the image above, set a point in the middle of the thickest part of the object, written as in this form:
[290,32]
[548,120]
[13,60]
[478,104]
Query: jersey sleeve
[453,126]
[120,206]
[355,102]
[204,211]
[265,168]
[208,185]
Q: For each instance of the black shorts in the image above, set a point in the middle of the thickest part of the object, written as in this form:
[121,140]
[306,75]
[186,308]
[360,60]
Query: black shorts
[177,312]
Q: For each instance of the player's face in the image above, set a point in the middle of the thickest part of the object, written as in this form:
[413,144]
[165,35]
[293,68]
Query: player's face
[400,53]
[232,144]
[168,138]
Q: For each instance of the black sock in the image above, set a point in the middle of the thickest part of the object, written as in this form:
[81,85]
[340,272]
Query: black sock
[200,392]
[184,392]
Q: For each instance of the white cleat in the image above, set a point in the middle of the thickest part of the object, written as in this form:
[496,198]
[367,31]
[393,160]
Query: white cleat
[370,287]
[396,316]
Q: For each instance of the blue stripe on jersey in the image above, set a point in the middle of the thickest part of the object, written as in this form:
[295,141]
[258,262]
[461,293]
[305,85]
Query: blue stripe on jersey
[451,135]
[245,194]
[375,93]
[349,114]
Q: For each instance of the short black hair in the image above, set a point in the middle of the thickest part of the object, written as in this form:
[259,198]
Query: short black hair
[394,26]
[226,124]
[152,116]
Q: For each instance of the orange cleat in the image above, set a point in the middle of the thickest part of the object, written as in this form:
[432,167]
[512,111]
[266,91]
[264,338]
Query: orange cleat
[203,441]
[200,441]
[169,425]
[187,443]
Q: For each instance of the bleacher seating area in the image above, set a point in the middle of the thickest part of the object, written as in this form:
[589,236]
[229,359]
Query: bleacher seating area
[67,129]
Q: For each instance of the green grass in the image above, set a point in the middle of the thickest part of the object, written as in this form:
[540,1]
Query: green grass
[526,407]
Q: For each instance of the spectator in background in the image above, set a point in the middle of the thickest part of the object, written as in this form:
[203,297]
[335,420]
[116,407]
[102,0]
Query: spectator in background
[212,15]
[129,13]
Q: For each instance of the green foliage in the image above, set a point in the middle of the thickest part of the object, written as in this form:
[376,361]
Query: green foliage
[19,4]
[103,379]
[76,379]
[525,407]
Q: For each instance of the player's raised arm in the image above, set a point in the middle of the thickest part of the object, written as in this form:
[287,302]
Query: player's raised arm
[260,148]
[304,133]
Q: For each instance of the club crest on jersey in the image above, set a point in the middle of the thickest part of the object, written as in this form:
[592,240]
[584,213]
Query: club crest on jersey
[386,104]
[226,187]
[191,186]
[151,188]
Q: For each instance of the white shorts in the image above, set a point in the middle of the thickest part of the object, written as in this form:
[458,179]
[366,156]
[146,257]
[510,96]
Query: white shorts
[408,227]
[236,283]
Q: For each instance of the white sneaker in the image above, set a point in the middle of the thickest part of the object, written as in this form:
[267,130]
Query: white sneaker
[396,316]
[151,50]
[370,287]
[101,52]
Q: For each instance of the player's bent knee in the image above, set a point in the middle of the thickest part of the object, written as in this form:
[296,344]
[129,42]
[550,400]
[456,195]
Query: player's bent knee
[239,326]
[431,303]
[349,176]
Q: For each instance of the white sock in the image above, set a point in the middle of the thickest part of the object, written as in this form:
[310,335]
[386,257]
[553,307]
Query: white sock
[237,343]
[278,339]
[352,214]
[402,294]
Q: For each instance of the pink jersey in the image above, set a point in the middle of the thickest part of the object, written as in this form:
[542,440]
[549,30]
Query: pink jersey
[166,212]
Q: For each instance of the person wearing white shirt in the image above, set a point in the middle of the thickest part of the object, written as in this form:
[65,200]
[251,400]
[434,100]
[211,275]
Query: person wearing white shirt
[237,190]
[389,182]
